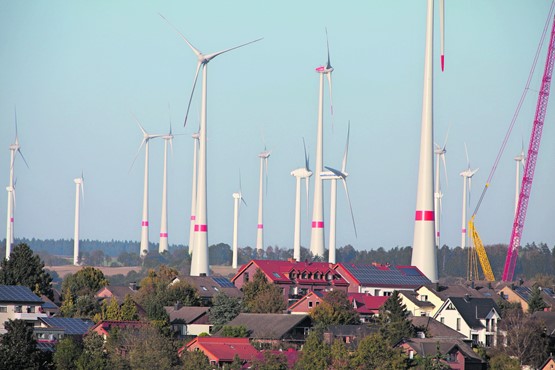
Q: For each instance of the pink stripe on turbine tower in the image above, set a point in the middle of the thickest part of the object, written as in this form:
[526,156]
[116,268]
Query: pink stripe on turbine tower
[424,255]
[260,226]
[163,235]
[144,223]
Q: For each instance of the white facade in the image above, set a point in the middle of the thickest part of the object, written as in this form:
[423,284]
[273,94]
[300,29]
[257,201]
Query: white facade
[20,311]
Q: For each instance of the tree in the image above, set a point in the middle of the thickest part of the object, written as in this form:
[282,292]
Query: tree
[335,309]
[67,353]
[260,296]
[316,354]
[110,310]
[535,303]
[224,309]
[501,361]
[195,360]
[433,362]
[239,331]
[128,309]
[394,324]
[18,348]
[270,361]
[340,358]
[374,352]
[26,268]
[86,281]
[93,356]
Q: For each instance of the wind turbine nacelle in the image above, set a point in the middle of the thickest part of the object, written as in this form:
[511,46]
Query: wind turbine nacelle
[301,172]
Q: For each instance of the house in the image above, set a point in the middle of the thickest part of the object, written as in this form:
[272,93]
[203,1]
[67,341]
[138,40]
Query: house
[456,353]
[119,292]
[52,329]
[221,351]
[348,334]
[428,327]
[549,364]
[274,328]
[476,318]
[19,303]
[548,320]
[521,294]
[104,327]
[306,303]
[291,354]
[210,286]
[49,307]
[437,294]
[294,278]
[188,320]
[366,305]
[415,306]
[380,279]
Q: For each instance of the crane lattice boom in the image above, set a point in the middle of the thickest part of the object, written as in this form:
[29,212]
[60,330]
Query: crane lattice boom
[533,149]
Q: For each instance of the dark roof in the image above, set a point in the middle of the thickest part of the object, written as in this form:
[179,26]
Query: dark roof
[269,325]
[210,286]
[48,304]
[429,346]
[548,318]
[70,325]
[119,292]
[185,314]
[360,331]
[434,328]
[474,309]
[18,294]
[458,290]
[411,296]
[377,274]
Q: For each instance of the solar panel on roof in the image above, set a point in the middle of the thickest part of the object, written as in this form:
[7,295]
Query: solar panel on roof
[71,326]
[17,293]
[223,282]
[410,271]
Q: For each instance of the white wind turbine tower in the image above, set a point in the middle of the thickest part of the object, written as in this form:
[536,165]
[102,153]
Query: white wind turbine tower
[163,246]
[14,148]
[199,264]
[237,198]
[520,162]
[333,175]
[424,254]
[467,184]
[144,222]
[299,174]
[78,188]
[260,227]
[438,195]
[317,243]
[193,196]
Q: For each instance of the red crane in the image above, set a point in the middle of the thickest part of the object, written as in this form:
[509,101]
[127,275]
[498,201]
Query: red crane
[533,149]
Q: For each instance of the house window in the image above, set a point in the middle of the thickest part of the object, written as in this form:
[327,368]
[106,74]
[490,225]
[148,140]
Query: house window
[450,306]
[309,304]
[292,274]
[376,292]
[387,294]
[458,324]
[17,309]
[203,287]
[424,298]
[31,309]
[411,354]
[442,320]
[452,357]
[489,340]
[3,309]
[216,288]
[276,274]
[304,275]
[246,277]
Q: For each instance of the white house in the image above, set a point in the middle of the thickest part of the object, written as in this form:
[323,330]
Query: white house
[476,318]
[19,303]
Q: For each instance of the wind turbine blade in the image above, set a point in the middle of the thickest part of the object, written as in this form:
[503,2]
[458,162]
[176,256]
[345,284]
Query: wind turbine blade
[138,151]
[13,197]
[328,66]
[22,157]
[306,163]
[195,50]
[306,180]
[344,164]
[243,200]
[442,32]
[192,92]
[446,136]
[266,165]
[466,152]
[331,96]
[209,57]
[82,190]
[445,170]
[335,172]
[440,203]
[350,206]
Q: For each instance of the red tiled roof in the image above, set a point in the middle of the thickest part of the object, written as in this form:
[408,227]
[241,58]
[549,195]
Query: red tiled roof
[225,349]
[278,271]
[367,304]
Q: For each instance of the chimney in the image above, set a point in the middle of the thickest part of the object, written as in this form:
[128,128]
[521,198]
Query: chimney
[133,285]
[177,306]
[292,260]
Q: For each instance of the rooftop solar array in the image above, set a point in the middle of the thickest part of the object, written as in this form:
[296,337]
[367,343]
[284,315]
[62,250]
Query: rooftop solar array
[224,282]
[17,293]
[391,276]
[70,325]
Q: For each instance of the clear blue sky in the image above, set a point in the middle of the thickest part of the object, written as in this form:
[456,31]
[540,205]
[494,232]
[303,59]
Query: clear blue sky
[76,69]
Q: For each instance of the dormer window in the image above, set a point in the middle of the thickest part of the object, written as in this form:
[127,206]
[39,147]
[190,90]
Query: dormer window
[450,306]
[292,275]
[316,275]
[305,275]
[276,274]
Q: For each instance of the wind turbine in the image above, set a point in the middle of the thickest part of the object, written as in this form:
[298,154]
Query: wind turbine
[78,187]
[333,175]
[193,194]
[144,222]
[199,264]
[237,197]
[299,174]
[467,182]
[438,195]
[424,254]
[317,244]
[260,228]
[163,246]
[14,148]
[520,161]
